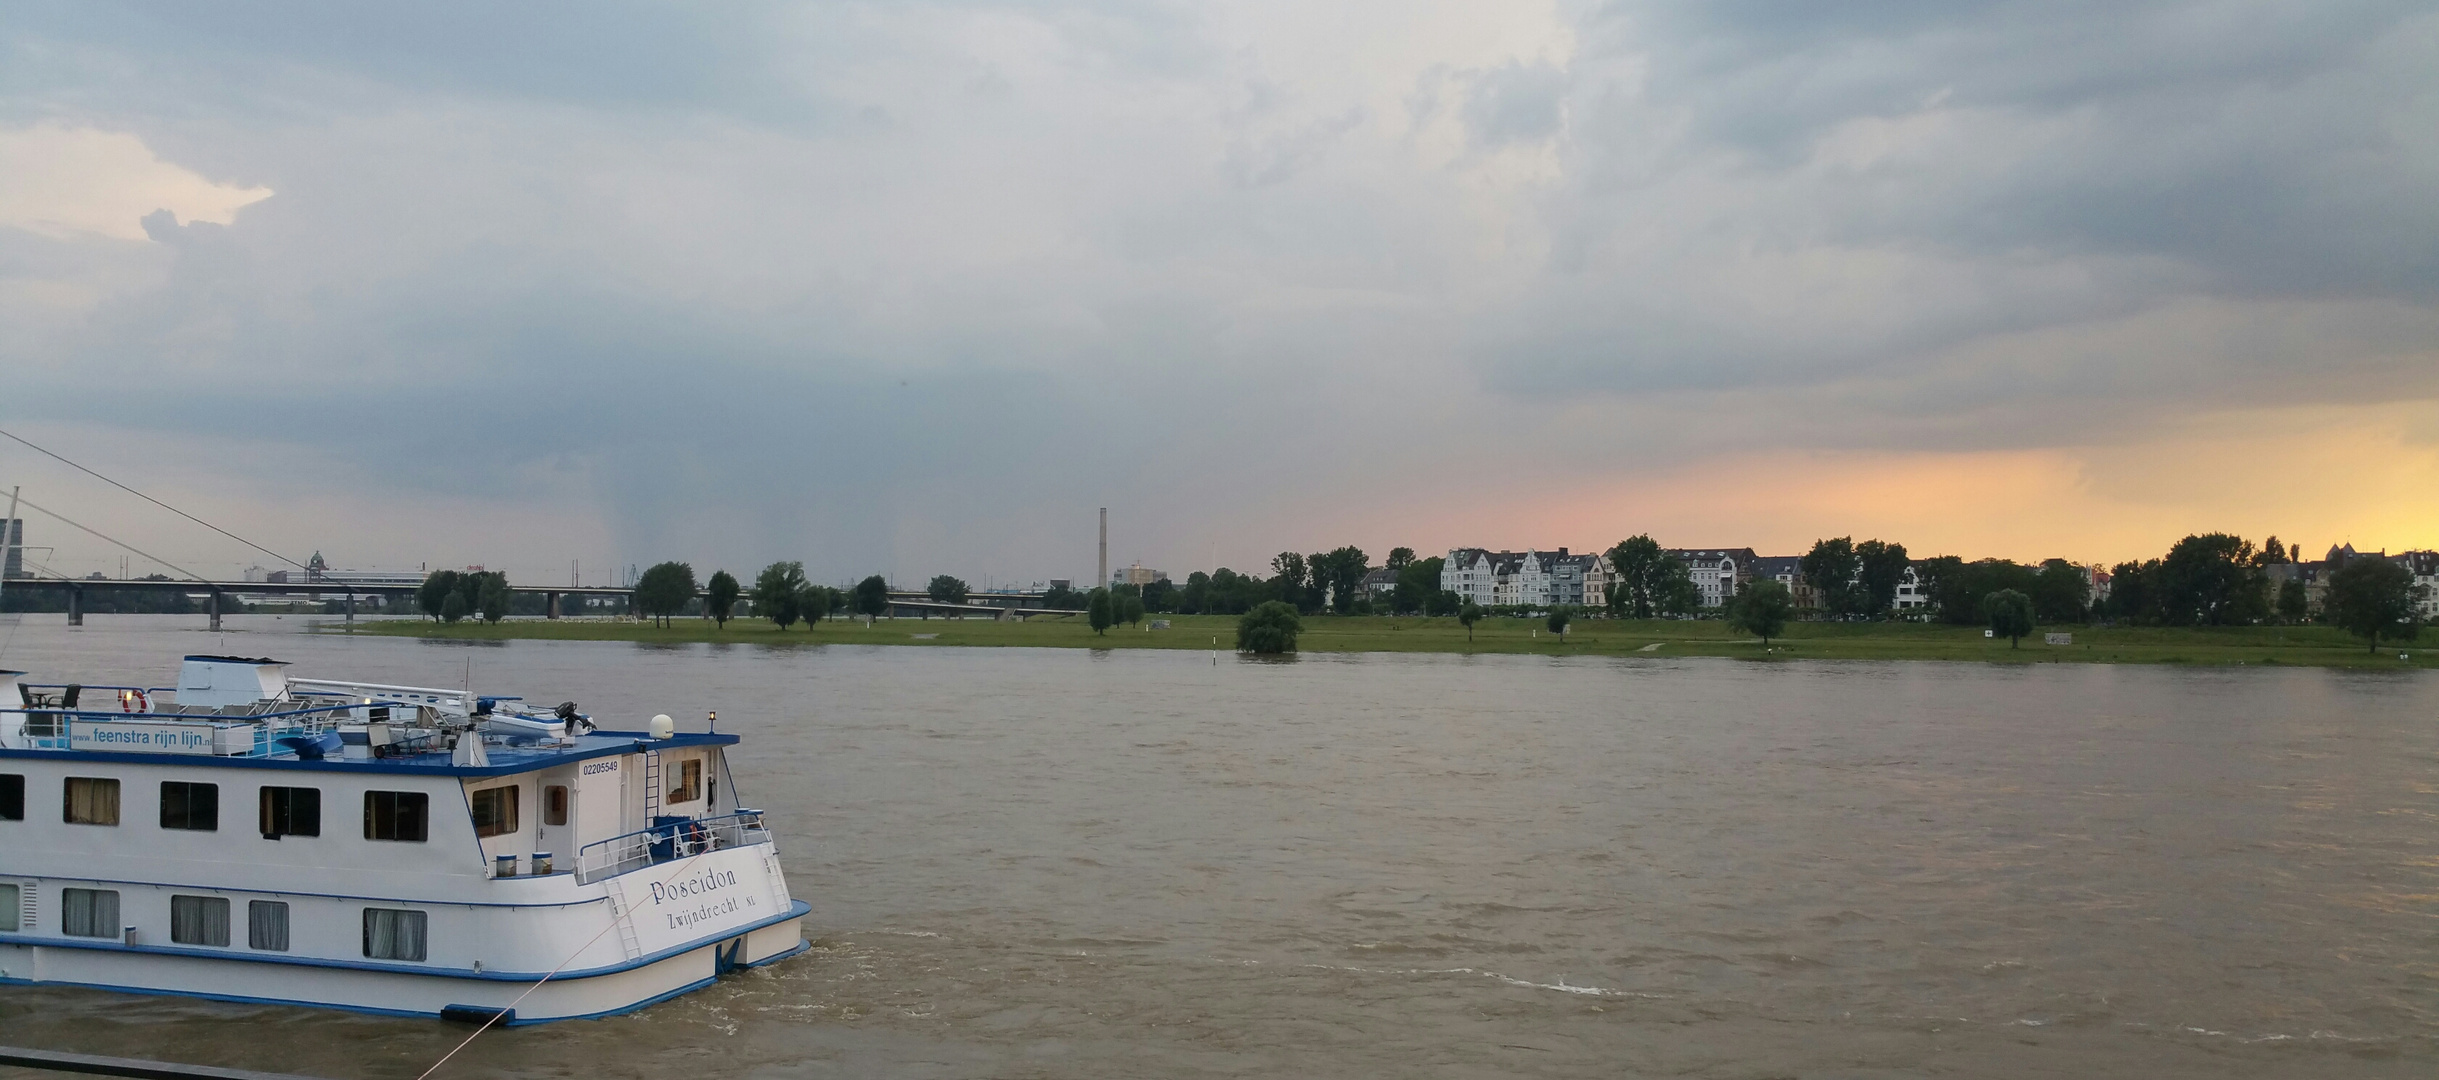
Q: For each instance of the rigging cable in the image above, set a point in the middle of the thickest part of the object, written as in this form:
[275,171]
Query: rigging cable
[154,501]
[615,919]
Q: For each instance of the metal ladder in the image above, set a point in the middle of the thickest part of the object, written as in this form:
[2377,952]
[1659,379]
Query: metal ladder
[652,786]
[626,926]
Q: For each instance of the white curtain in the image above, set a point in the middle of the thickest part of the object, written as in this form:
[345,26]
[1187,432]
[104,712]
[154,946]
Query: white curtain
[267,925]
[391,934]
[199,920]
[89,913]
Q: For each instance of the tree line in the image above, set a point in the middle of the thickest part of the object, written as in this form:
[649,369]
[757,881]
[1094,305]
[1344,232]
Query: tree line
[2208,579]
[452,595]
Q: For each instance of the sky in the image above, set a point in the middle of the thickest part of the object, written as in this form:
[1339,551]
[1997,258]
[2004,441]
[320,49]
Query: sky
[915,287]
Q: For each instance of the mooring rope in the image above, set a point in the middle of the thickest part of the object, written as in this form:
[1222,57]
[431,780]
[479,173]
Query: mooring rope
[512,1006]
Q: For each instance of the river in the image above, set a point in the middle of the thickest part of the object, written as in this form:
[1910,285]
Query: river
[1069,863]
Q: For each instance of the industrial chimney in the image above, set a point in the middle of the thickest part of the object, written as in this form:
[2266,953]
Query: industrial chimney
[1101,581]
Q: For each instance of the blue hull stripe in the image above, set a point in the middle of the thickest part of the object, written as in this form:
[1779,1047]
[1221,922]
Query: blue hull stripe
[368,1010]
[796,910]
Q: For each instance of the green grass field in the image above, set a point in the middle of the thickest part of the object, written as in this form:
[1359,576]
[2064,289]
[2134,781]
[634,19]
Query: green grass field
[2308,646]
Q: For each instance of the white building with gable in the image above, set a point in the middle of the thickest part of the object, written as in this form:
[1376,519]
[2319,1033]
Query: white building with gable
[1537,579]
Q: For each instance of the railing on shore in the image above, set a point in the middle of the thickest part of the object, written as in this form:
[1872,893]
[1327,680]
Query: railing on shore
[669,839]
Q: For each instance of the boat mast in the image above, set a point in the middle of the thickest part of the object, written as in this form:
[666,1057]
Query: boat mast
[14,541]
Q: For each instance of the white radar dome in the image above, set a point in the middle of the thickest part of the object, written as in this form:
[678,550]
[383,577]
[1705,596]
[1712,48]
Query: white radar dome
[663,727]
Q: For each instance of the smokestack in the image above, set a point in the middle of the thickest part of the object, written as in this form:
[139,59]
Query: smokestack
[1102,581]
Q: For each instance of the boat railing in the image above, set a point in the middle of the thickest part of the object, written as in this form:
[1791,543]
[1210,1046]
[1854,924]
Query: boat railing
[236,730]
[667,839]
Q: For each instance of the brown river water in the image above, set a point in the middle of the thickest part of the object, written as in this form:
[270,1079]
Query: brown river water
[1068,863]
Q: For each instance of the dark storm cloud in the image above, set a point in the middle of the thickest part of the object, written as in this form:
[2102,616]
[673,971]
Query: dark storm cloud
[891,281]
[1890,189]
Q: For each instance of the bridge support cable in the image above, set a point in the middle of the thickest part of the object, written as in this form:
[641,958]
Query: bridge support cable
[30,505]
[147,498]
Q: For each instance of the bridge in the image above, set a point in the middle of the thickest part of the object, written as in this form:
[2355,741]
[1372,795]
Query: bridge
[213,591]
[902,604]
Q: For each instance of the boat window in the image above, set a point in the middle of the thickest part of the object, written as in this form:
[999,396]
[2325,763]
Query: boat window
[397,815]
[187,805]
[495,811]
[267,925]
[393,934]
[89,912]
[291,811]
[554,805]
[12,797]
[199,920]
[90,800]
[9,900]
[689,785]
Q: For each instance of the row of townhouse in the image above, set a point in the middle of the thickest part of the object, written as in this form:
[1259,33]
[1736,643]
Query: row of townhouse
[1526,578]
[2423,565]
[1542,579]
[1719,572]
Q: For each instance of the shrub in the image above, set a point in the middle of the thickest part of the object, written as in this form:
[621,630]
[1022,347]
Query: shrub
[1268,630]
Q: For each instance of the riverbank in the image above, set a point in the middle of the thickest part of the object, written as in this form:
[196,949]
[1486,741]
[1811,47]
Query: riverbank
[2303,646]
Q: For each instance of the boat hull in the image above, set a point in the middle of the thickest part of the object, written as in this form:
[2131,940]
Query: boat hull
[387,992]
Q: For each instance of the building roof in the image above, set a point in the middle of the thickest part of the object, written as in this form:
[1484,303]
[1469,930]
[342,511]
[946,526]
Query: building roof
[1742,555]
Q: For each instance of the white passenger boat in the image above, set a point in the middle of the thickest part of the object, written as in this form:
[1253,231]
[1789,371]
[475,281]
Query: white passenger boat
[429,852]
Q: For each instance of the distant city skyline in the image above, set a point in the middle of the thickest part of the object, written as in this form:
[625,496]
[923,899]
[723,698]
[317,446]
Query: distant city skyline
[915,289]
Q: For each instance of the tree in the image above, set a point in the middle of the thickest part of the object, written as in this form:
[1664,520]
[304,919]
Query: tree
[2210,580]
[871,597]
[2011,615]
[1468,615]
[1761,608]
[815,602]
[1062,598]
[1269,629]
[1232,593]
[1879,569]
[1338,574]
[1677,594]
[2134,592]
[2293,606]
[2372,597]
[1289,577]
[2061,593]
[1130,608]
[1956,587]
[1195,598]
[664,590]
[491,597]
[1100,610]
[1560,616]
[1831,568]
[1399,559]
[1418,585]
[720,597]
[1443,602]
[946,590]
[777,590]
[1637,562]
[453,608]
[435,592]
